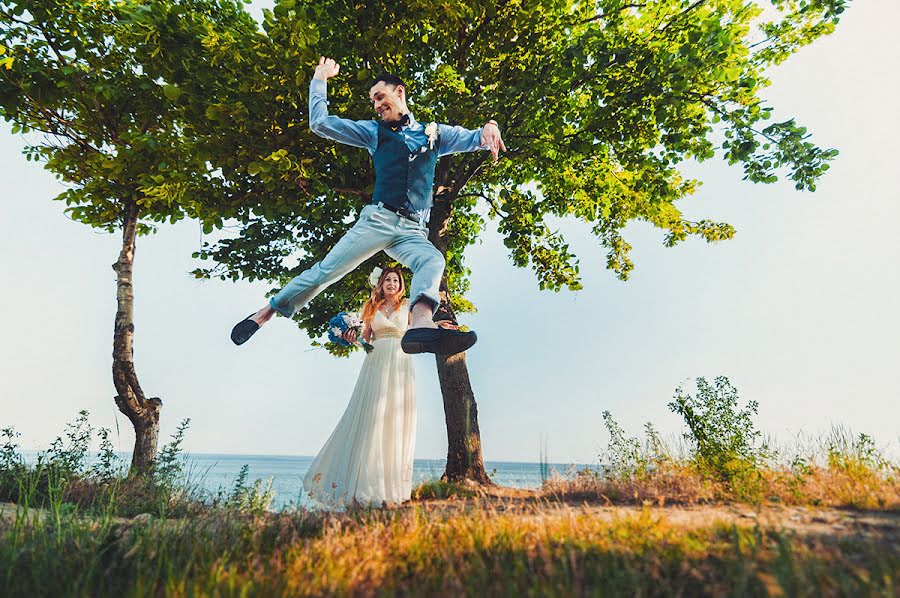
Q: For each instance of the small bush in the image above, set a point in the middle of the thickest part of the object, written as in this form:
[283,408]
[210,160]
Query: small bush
[67,458]
[854,454]
[726,460]
[724,441]
[60,476]
[253,498]
[11,465]
[630,457]
[439,489]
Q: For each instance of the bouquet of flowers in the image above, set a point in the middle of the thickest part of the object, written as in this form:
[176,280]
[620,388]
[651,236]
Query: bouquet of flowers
[343,322]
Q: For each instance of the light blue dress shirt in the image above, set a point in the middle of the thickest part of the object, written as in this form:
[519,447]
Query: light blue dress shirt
[364,133]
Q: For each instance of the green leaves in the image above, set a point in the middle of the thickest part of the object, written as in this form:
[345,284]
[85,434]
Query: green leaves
[6,62]
[172,92]
[189,108]
[214,112]
[115,125]
[598,104]
[721,434]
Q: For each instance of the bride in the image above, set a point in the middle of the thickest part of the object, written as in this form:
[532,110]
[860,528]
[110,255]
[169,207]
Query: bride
[368,459]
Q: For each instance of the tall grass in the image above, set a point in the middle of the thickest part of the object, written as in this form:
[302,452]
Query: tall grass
[723,457]
[415,551]
[61,478]
[92,530]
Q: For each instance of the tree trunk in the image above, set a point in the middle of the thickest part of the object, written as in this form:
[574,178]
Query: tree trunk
[464,457]
[143,412]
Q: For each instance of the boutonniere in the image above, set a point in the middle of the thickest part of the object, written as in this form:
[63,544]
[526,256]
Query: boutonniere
[431,131]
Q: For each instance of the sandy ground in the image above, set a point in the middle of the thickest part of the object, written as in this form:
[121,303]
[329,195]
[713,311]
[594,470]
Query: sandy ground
[814,521]
[882,526]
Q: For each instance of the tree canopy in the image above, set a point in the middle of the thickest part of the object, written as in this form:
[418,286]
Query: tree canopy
[154,110]
[600,104]
[76,85]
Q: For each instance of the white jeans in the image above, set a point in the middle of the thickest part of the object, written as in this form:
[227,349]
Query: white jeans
[376,229]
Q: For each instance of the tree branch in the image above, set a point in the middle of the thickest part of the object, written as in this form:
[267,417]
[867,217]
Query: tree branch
[488,199]
[601,15]
[681,14]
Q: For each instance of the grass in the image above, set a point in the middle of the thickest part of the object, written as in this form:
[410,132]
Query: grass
[76,530]
[837,470]
[438,489]
[722,457]
[546,550]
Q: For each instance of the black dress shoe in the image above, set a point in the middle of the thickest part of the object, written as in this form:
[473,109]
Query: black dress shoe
[243,330]
[440,341]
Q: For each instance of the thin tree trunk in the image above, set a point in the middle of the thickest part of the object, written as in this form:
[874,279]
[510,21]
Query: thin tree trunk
[464,457]
[143,412]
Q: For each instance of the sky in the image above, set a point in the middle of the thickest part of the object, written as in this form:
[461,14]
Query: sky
[799,310]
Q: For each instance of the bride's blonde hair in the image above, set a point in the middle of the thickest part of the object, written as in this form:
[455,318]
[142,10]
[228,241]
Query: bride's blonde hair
[377,298]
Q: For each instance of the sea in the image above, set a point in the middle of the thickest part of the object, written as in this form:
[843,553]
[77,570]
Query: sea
[216,474]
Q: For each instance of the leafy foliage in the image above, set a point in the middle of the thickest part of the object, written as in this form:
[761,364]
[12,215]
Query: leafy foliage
[600,104]
[187,109]
[68,457]
[627,457]
[722,435]
[108,125]
[66,477]
[856,455]
[169,466]
[247,498]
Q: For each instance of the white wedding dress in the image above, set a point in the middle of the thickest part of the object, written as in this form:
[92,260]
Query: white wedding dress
[369,456]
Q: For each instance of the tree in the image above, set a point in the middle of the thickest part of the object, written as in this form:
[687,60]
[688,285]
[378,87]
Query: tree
[599,103]
[73,84]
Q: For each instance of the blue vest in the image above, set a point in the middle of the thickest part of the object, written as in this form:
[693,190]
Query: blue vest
[403,178]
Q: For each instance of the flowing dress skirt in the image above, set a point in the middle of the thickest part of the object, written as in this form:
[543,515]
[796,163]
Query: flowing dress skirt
[368,458]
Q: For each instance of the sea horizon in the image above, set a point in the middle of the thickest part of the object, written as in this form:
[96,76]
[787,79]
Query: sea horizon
[216,473]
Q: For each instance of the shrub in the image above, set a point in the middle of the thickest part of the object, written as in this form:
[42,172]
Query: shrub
[627,457]
[250,498]
[439,489]
[724,441]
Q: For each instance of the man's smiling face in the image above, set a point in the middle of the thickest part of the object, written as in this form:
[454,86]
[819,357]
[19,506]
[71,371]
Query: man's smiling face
[388,100]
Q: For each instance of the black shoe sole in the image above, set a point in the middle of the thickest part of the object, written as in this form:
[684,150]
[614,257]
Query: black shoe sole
[243,330]
[413,348]
[450,346]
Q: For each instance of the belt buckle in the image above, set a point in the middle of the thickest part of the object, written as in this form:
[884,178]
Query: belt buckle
[402,212]
[412,218]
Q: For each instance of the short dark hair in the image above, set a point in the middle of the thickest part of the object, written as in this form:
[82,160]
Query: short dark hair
[389,79]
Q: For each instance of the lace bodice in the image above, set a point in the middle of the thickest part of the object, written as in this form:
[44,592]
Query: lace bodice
[392,326]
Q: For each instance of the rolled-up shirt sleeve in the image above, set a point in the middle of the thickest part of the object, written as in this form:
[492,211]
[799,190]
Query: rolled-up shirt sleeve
[456,139]
[358,133]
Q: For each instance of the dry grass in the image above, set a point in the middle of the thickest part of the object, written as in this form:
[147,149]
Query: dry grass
[836,469]
[673,483]
[479,542]
[659,523]
[537,549]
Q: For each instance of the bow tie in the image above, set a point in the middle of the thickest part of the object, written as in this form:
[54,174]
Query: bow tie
[396,124]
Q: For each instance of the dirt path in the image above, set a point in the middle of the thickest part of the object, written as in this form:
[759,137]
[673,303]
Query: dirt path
[883,526]
[813,521]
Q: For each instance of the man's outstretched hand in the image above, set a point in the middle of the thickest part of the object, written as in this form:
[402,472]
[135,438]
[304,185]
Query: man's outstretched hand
[490,138]
[327,68]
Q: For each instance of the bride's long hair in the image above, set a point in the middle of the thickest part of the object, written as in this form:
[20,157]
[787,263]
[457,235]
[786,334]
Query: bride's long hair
[377,298]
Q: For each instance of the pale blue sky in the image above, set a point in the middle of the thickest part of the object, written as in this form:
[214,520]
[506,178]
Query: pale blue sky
[800,309]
